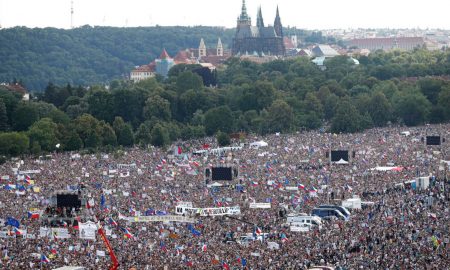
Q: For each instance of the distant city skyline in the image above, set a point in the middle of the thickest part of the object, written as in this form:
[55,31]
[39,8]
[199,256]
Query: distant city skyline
[325,14]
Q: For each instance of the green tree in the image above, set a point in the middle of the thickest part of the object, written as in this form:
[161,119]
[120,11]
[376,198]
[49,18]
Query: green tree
[223,139]
[143,134]
[123,131]
[379,109]
[412,107]
[444,101]
[45,133]
[346,119]
[187,80]
[219,118]
[280,116]
[3,117]
[107,134]
[13,143]
[159,136]
[158,107]
[73,141]
[24,116]
[100,104]
[86,125]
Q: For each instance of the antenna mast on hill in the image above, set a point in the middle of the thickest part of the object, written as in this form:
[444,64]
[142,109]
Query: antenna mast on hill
[71,14]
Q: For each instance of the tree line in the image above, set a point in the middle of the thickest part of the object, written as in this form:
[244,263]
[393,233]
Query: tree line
[409,88]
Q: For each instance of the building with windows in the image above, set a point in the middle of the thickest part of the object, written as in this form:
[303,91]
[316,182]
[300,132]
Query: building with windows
[387,44]
[259,39]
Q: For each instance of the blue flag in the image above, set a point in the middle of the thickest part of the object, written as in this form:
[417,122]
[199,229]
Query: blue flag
[244,262]
[13,222]
[102,200]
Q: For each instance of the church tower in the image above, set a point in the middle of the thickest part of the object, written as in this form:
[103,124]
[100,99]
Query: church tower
[219,48]
[244,19]
[277,25]
[202,49]
[259,19]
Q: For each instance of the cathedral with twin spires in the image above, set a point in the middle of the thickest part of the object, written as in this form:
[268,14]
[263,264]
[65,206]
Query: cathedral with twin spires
[259,39]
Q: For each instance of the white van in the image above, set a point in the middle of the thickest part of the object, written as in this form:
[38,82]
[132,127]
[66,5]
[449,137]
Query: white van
[249,237]
[312,220]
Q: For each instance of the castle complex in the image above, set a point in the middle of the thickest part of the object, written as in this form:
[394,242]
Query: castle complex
[259,39]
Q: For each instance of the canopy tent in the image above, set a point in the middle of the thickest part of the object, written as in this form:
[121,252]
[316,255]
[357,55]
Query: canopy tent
[259,144]
[215,184]
[342,162]
[384,169]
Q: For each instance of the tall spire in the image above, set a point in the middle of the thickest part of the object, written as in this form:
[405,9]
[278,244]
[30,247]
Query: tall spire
[259,19]
[277,24]
[219,48]
[244,10]
[244,18]
[202,48]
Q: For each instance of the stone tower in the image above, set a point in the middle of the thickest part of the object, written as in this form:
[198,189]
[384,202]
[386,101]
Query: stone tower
[202,48]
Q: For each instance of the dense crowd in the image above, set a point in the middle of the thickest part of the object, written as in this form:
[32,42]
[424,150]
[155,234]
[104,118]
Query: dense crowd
[404,228]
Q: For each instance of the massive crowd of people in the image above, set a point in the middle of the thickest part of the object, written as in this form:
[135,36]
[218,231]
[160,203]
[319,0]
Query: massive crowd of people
[406,227]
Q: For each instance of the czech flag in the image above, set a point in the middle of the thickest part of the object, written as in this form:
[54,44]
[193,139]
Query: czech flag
[126,232]
[195,163]
[112,221]
[44,259]
[163,161]
[284,239]
[17,231]
[300,186]
[258,231]
[33,215]
[254,183]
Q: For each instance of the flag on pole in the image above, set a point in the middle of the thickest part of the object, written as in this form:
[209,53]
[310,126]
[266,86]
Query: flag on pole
[44,259]
[33,215]
[112,221]
[126,232]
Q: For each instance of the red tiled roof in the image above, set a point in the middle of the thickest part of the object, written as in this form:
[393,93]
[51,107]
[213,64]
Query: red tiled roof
[16,88]
[164,55]
[288,43]
[145,68]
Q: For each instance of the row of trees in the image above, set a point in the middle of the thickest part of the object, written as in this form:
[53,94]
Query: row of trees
[279,96]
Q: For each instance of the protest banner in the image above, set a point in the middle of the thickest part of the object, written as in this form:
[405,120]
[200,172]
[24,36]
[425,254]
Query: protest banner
[167,218]
[87,230]
[299,229]
[260,205]
[30,172]
[204,212]
[60,233]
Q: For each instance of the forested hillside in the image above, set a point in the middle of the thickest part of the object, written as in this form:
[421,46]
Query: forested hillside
[91,55]
[97,55]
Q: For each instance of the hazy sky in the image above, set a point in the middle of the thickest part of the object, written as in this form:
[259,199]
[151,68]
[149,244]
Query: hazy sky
[322,14]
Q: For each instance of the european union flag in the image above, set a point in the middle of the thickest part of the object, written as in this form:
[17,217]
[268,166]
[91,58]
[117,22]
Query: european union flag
[13,222]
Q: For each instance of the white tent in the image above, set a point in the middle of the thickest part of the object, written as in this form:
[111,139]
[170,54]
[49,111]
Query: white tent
[259,144]
[384,168]
[341,161]
[215,184]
